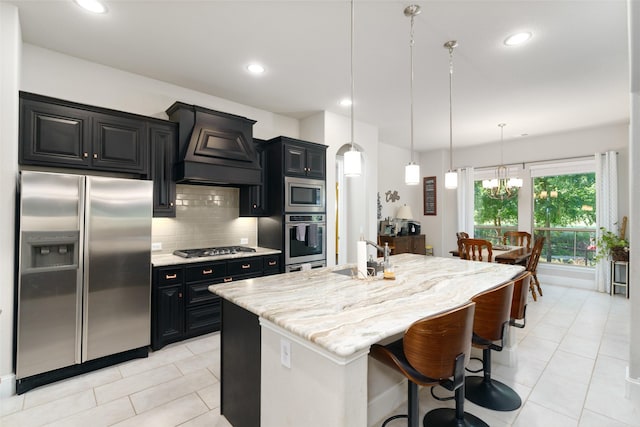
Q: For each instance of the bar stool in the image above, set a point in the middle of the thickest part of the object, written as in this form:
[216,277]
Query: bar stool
[519,301]
[434,350]
[492,317]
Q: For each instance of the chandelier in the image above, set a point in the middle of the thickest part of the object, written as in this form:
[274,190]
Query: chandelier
[502,187]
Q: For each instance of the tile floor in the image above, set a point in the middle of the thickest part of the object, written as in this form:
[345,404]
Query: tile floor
[572,358]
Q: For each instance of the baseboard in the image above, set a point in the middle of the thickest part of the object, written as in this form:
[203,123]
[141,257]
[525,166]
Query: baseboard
[385,402]
[632,388]
[7,386]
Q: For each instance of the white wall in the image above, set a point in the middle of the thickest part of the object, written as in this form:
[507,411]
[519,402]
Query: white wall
[393,159]
[10,47]
[336,132]
[61,76]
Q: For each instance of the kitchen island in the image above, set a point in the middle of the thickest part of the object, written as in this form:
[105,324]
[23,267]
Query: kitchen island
[294,346]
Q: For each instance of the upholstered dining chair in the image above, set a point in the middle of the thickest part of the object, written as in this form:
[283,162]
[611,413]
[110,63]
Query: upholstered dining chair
[490,323]
[434,351]
[532,266]
[472,249]
[517,238]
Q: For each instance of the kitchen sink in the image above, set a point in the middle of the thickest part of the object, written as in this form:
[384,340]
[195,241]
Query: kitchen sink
[349,271]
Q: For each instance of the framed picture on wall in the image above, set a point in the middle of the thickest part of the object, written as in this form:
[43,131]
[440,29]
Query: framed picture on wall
[429,192]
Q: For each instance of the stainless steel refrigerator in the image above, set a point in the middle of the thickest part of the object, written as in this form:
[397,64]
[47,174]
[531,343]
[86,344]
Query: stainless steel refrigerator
[84,282]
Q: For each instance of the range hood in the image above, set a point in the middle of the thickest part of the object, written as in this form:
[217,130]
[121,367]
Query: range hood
[213,147]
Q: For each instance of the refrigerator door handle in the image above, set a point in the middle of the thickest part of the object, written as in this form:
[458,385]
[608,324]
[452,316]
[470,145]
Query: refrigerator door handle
[83,289]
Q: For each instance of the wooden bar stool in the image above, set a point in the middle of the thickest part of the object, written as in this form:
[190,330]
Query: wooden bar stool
[434,350]
[492,317]
[519,300]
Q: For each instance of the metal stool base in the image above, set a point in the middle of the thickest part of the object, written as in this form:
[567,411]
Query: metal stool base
[491,394]
[446,417]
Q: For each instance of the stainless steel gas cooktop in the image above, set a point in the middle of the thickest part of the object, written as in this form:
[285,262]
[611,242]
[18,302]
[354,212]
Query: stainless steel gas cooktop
[202,252]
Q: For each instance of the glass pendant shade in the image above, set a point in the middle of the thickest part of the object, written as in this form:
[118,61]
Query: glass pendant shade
[451,180]
[352,163]
[412,174]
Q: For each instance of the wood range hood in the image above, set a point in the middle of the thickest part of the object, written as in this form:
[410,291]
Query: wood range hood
[214,148]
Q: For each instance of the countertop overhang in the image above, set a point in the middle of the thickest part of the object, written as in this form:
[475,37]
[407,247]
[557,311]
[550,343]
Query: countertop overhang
[345,315]
[163,260]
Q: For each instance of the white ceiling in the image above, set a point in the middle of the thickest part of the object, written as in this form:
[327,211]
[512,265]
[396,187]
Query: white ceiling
[572,74]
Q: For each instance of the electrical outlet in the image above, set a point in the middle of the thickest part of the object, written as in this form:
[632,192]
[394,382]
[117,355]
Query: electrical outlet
[156,246]
[285,353]
[244,241]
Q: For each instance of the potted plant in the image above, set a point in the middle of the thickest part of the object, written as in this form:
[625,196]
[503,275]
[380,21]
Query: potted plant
[612,245]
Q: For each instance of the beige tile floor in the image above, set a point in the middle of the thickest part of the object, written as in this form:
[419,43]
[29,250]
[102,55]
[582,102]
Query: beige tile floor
[572,358]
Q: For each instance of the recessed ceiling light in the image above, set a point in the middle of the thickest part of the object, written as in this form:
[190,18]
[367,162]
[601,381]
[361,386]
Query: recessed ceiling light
[95,6]
[518,38]
[346,102]
[255,68]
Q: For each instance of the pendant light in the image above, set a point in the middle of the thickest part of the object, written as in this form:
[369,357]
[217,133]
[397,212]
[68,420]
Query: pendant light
[412,170]
[352,162]
[451,177]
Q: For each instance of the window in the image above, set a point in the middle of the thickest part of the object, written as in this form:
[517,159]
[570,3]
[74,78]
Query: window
[492,217]
[564,213]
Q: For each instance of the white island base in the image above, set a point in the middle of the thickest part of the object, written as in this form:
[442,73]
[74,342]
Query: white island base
[332,388]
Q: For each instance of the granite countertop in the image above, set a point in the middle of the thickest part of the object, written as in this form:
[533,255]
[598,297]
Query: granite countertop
[344,315]
[161,260]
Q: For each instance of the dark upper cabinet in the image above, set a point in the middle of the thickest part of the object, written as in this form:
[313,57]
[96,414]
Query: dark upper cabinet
[163,147]
[119,143]
[304,159]
[55,132]
[254,198]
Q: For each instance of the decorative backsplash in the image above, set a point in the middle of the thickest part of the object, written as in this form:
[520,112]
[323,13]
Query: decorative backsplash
[205,216]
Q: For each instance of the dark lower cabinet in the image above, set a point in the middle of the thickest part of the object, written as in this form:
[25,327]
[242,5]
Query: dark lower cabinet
[169,302]
[181,304]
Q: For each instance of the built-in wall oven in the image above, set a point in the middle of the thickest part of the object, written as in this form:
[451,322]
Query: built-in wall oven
[305,239]
[304,195]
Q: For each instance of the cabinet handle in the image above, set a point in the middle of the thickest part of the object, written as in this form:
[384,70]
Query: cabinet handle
[171,276]
[85,155]
[245,266]
[179,294]
[228,279]
[272,263]
[207,271]
[95,156]
[171,204]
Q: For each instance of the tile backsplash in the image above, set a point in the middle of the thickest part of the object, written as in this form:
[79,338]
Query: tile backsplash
[205,216]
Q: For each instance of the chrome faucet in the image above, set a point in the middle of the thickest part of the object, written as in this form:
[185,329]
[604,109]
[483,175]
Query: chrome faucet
[386,251]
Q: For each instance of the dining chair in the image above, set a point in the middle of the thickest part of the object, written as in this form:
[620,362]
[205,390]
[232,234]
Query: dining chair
[472,249]
[461,235]
[532,266]
[490,323]
[434,351]
[517,238]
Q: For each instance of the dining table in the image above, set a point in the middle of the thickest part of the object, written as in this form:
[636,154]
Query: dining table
[505,254]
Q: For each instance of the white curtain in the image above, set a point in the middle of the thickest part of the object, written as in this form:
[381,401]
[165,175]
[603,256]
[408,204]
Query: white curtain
[606,208]
[465,200]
